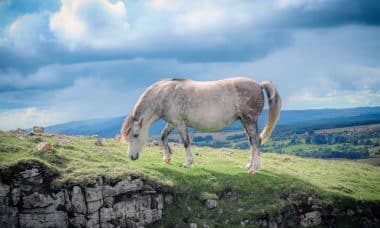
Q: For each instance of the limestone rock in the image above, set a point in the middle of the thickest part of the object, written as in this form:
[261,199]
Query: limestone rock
[37,200]
[193,225]
[44,147]
[106,215]
[210,203]
[8,216]
[311,219]
[98,142]
[77,200]
[38,130]
[15,196]
[62,142]
[56,219]
[94,198]
[32,176]
[122,187]
[125,209]
[146,217]
[159,199]
[29,173]
[93,220]
[168,199]
[94,206]
[4,191]
[78,220]
[19,131]
[109,201]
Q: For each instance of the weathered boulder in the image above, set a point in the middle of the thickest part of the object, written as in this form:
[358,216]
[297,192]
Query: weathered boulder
[106,216]
[159,201]
[62,142]
[311,219]
[8,216]
[37,200]
[94,198]
[123,187]
[32,176]
[210,203]
[19,131]
[168,199]
[78,220]
[193,225]
[93,220]
[44,147]
[15,196]
[98,142]
[77,200]
[38,130]
[146,217]
[4,191]
[55,219]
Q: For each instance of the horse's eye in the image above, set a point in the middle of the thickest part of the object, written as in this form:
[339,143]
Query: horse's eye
[135,135]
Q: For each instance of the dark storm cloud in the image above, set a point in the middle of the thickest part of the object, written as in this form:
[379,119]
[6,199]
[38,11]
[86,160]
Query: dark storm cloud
[313,14]
[259,39]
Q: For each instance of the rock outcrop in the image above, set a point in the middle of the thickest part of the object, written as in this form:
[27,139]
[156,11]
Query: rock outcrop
[25,202]
[44,147]
[38,130]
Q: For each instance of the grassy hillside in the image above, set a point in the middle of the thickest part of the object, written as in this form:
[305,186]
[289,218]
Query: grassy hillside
[109,127]
[218,173]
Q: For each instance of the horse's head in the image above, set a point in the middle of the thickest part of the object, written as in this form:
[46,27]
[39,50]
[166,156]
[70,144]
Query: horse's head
[133,133]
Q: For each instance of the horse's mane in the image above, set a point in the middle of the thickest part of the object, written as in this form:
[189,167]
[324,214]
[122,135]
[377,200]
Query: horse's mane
[126,125]
[179,79]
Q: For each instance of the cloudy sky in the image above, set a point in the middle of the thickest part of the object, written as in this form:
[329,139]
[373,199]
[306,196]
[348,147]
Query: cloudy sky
[81,59]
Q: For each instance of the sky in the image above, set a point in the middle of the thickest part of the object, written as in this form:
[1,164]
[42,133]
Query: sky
[83,59]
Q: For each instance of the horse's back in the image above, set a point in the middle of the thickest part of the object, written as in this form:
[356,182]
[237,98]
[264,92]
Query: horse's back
[210,105]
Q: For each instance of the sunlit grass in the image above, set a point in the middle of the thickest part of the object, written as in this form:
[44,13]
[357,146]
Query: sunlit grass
[215,170]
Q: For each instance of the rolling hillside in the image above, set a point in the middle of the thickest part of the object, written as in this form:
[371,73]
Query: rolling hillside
[109,127]
[288,191]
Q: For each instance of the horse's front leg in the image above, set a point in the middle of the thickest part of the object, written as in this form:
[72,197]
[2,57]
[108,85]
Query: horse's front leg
[186,142]
[254,140]
[164,139]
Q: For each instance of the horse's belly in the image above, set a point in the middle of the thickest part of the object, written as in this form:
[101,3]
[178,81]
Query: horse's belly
[211,120]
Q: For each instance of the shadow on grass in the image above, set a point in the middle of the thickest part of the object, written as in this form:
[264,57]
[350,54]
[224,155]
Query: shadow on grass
[263,187]
[265,195]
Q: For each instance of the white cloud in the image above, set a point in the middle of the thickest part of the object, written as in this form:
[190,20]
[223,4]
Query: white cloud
[31,116]
[164,5]
[336,99]
[27,32]
[93,23]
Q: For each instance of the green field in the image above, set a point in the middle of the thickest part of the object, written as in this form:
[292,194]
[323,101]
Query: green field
[283,179]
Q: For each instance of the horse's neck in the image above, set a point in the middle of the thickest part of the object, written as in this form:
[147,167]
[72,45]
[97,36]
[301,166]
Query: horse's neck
[148,117]
[145,111]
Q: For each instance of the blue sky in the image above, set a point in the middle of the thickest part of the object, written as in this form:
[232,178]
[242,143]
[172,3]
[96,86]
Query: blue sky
[81,59]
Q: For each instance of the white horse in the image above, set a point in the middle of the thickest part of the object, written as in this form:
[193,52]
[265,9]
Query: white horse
[206,106]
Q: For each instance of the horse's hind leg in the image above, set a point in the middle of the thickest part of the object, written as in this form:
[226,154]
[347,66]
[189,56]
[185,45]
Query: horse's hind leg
[164,139]
[186,142]
[253,137]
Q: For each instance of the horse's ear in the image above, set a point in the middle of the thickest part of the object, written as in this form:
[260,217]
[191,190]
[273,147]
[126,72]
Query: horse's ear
[141,121]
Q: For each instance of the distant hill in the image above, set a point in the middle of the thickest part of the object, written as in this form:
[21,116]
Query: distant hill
[110,127]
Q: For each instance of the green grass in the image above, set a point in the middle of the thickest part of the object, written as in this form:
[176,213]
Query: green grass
[214,172]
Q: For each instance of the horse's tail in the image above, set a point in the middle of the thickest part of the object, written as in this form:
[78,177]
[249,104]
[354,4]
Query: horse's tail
[274,100]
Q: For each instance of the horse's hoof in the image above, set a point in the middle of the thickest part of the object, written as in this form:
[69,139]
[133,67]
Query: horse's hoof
[166,161]
[187,164]
[252,171]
